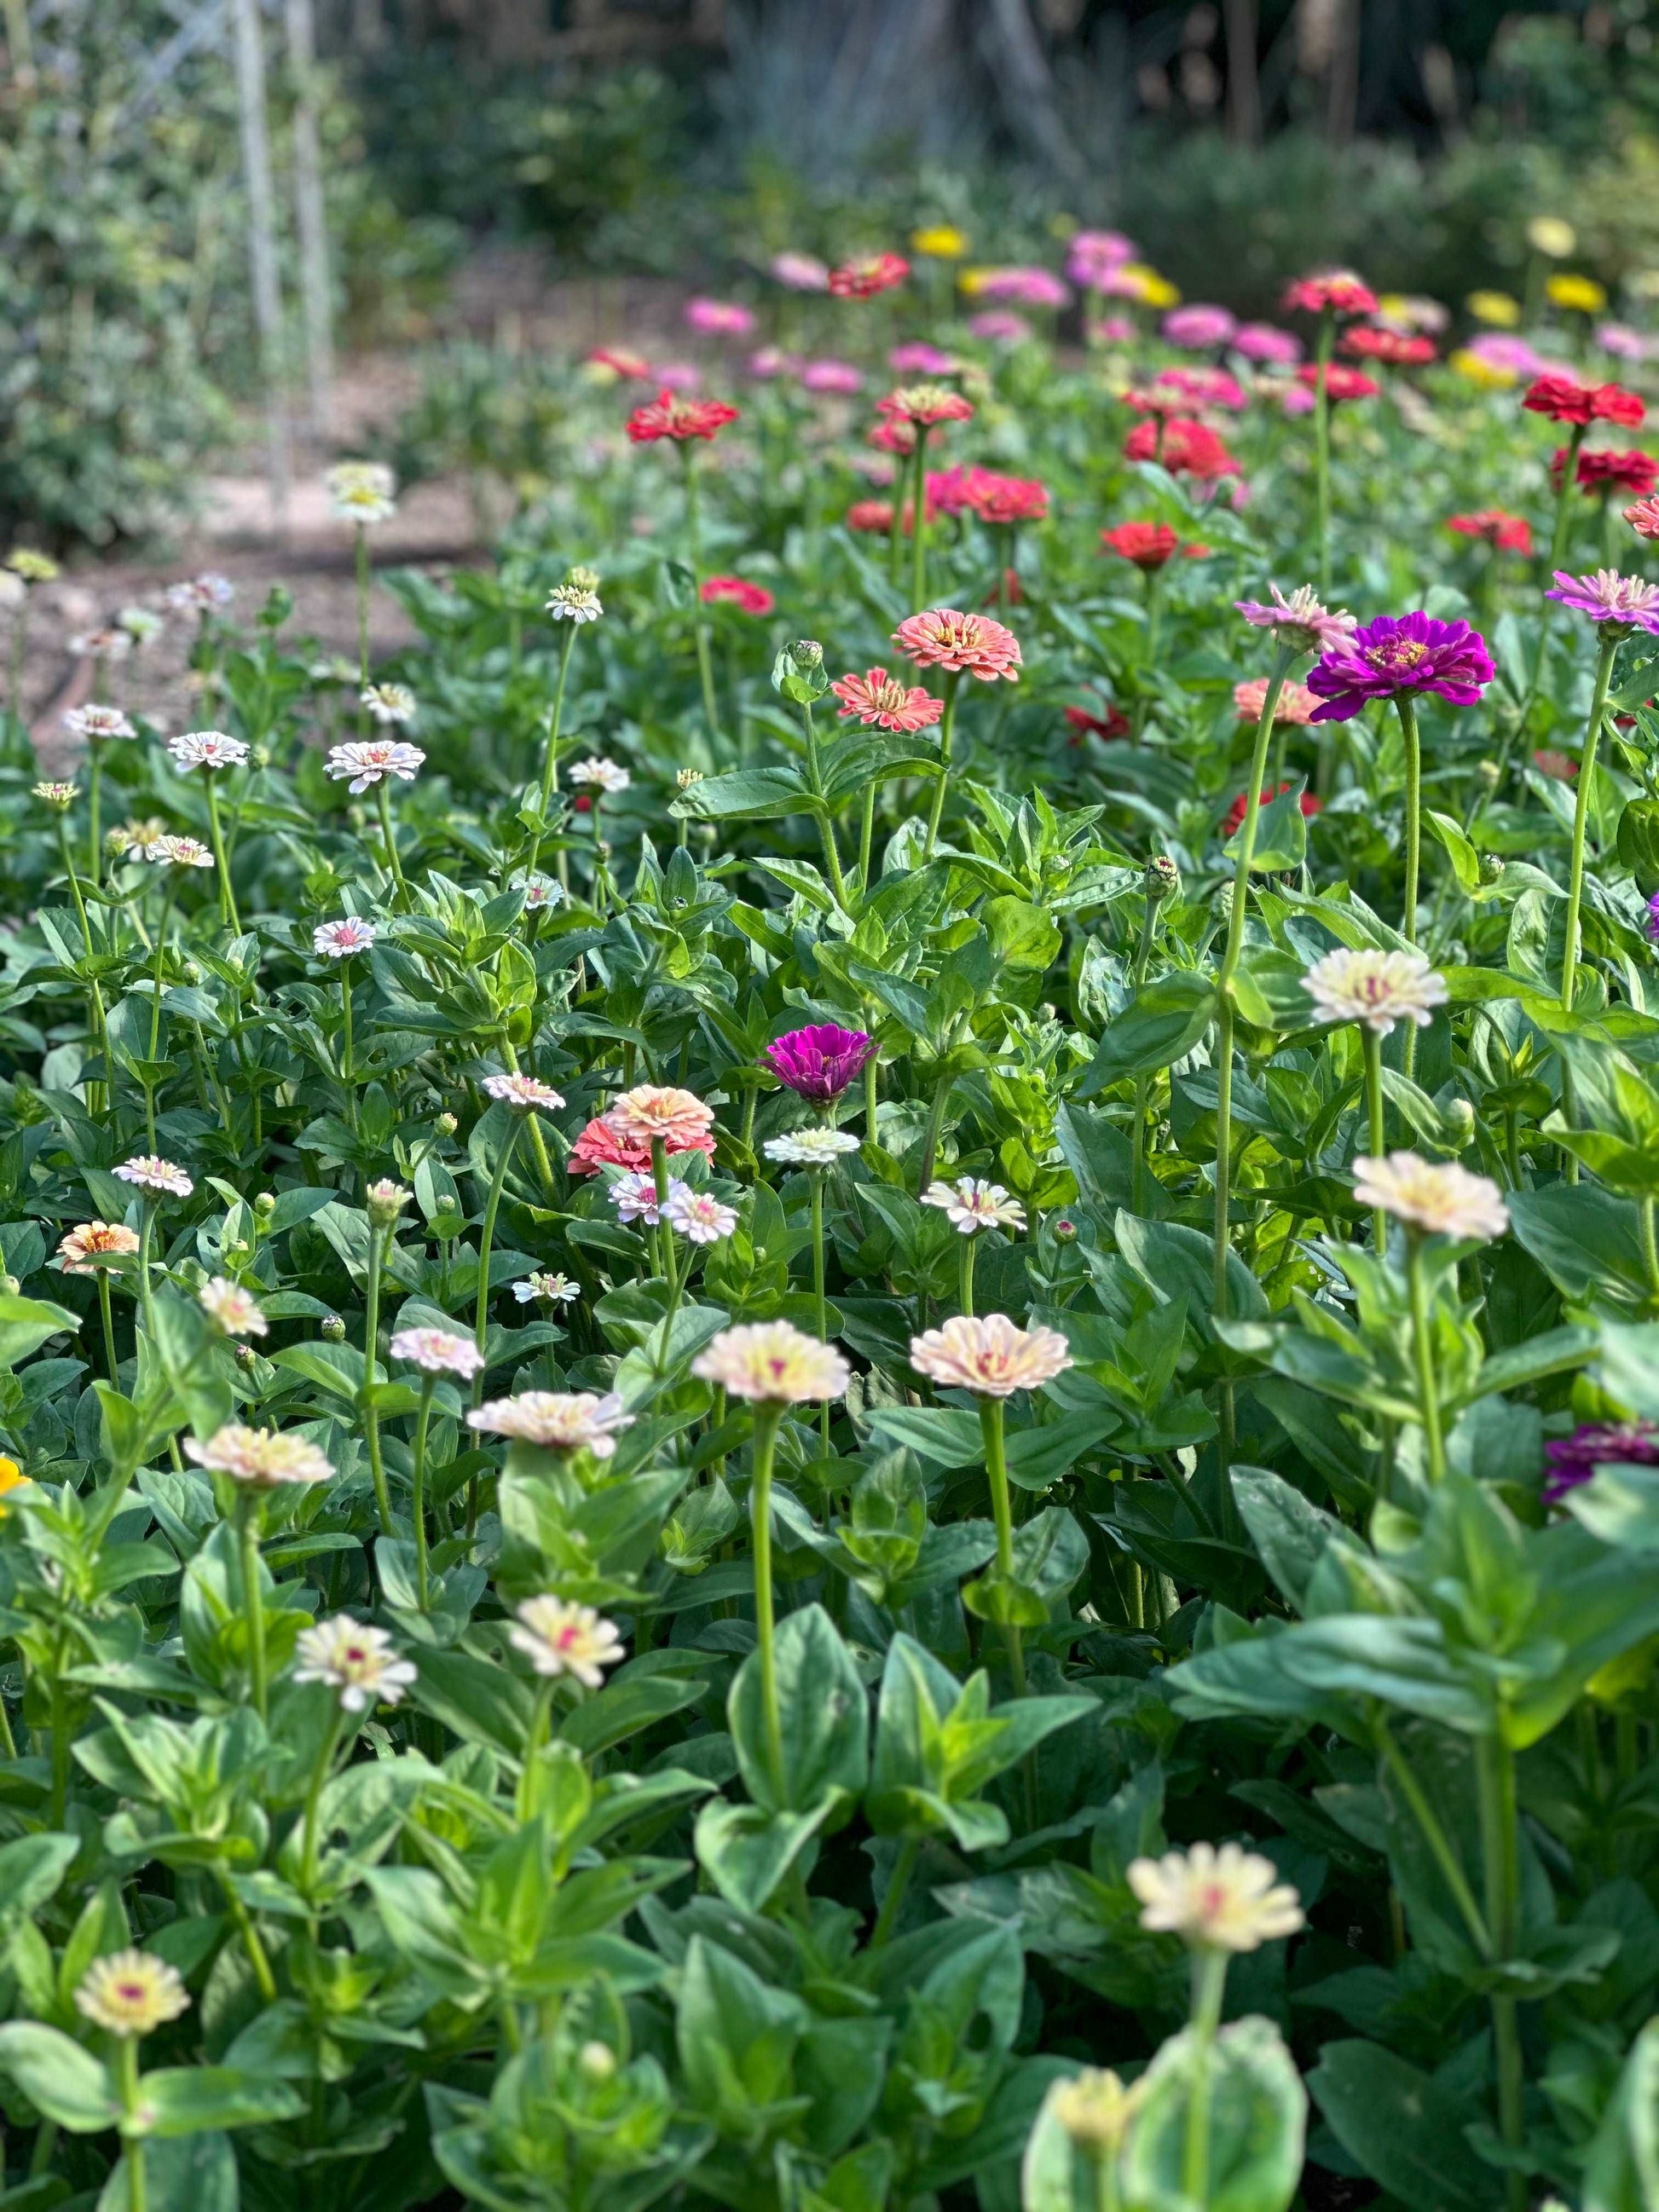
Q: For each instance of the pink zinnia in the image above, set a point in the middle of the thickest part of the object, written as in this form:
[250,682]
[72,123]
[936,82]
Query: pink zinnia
[1300,621]
[800,272]
[1295,709]
[1607,597]
[997,499]
[878,699]
[1198,327]
[721,318]
[1338,290]
[870,273]
[1091,256]
[666,416]
[834,376]
[924,405]
[1000,325]
[738,591]
[599,1146]
[942,638]
[1262,342]
[1644,518]
[1025,288]
[918,358]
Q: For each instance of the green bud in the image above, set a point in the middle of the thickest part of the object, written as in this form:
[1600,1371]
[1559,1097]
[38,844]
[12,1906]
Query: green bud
[332,1329]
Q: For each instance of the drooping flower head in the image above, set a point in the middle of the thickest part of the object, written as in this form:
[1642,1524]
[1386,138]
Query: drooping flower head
[866,274]
[1299,623]
[147,1171]
[1411,653]
[1573,1460]
[820,1061]
[558,1639]
[207,749]
[338,940]
[736,592]
[971,1205]
[360,1663]
[261,1459]
[772,1363]
[942,638]
[93,1241]
[368,764]
[1503,532]
[556,1420]
[1230,1900]
[130,1994]
[1376,988]
[991,1357]
[1441,1199]
[437,1351]
[232,1311]
[1565,397]
[1337,291]
[878,700]
[1631,603]
[670,415]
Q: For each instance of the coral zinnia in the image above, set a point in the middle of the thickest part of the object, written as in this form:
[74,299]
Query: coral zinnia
[678,1117]
[942,638]
[1338,289]
[1564,399]
[880,701]
[1308,804]
[1295,707]
[999,499]
[1148,544]
[1400,653]
[1644,518]
[1503,532]
[1339,383]
[868,274]
[738,591]
[820,1061]
[924,405]
[668,415]
[1396,348]
[1185,449]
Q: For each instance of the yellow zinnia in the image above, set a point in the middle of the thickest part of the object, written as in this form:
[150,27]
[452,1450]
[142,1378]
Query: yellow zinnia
[1477,370]
[1500,309]
[1549,234]
[1582,292]
[940,241]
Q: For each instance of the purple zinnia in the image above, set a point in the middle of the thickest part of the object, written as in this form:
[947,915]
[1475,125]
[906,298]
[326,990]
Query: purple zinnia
[1653,918]
[1198,327]
[1575,1459]
[1300,621]
[819,1062]
[1607,597]
[1263,341]
[1400,653]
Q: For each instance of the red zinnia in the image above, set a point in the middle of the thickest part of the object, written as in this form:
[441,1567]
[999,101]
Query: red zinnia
[999,499]
[1503,532]
[738,591]
[870,514]
[1339,289]
[1564,399]
[939,637]
[1235,814]
[870,273]
[1184,448]
[620,362]
[668,415]
[1393,347]
[1561,766]
[1339,383]
[878,699]
[1112,724]
[1601,468]
[924,405]
[894,435]
[1148,544]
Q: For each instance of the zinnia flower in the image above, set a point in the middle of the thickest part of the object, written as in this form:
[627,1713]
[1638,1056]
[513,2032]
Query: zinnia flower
[1230,1900]
[368,763]
[172,852]
[800,272]
[603,775]
[128,1994]
[1338,290]
[391,705]
[668,415]
[811,1148]
[1022,288]
[1262,342]
[1148,544]
[1184,448]
[1607,597]
[599,1146]
[831,376]
[558,1639]
[95,724]
[1299,623]
[924,405]
[1503,532]
[525,1094]
[970,1204]
[207,749]
[574,603]
[1198,326]
[1377,988]
[362,1663]
[1094,2109]
[556,1420]
[1114,723]
[678,1117]
[148,1172]
[1600,468]
[772,1363]
[738,591]
[1005,500]
[62,796]
[338,940]
[1295,707]
[362,492]
[990,1357]
[1338,382]
[1644,518]
[95,1240]
[1397,349]
[232,1311]
[438,1352]
[1443,1200]
[862,278]
[1307,805]
[552,1290]
[1396,653]
[718,318]
[877,698]
[820,1061]
[918,358]
[261,1459]
[697,1216]
[205,595]
[1565,398]
[1573,1460]
[942,638]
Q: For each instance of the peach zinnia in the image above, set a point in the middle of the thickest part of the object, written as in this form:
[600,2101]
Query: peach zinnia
[878,699]
[95,1240]
[678,1117]
[991,1357]
[942,638]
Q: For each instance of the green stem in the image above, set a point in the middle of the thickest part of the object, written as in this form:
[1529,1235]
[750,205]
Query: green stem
[1610,643]
[422,1420]
[309,1838]
[383,802]
[132,2146]
[252,1600]
[996,1471]
[768,1418]
[146,1225]
[492,1207]
[371,1417]
[108,1318]
[228,913]
[965,1271]
[870,1098]
[347,1054]
[1209,1988]
[947,728]
[1435,1836]
[1406,707]
[1500,1838]
[58,1707]
[930,1135]
[1371,1045]
[95,789]
[699,620]
[867,840]
[95,997]
[897,1883]
[256,1956]
[919,523]
[550,759]
[362,603]
[1428,1394]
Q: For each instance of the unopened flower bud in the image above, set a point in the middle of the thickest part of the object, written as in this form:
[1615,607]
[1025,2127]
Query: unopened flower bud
[446,1125]
[192,971]
[596,2060]
[116,842]
[265,1204]
[688,776]
[1065,1231]
[1160,879]
[246,1356]
[384,1201]
[236,1249]
[1458,1118]
[332,1329]
[1490,773]
[9,1286]
[806,653]
[1492,866]
[582,580]
[260,757]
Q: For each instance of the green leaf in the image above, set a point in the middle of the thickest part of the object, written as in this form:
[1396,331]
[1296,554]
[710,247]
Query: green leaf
[745,795]
[1257,2120]
[1621,2172]
[1404,2129]
[58,2078]
[1160,1024]
[26,1323]
[188,2100]
[823,1716]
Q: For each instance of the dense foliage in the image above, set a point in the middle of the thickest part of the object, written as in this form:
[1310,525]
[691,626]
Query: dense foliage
[709,1353]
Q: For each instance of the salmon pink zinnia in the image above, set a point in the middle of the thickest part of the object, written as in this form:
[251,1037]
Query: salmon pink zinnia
[942,638]
[668,417]
[1503,532]
[881,702]
[1148,544]
[924,405]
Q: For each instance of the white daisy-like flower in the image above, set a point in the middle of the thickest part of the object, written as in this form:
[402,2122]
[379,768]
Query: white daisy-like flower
[634,1196]
[558,1639]
[1377,988]
[526,1093]
[389,703]
[697,1216]
[550,1290]
[96,724]
[558,1420]
[1230,1900]
[605,775]
[148,1171]
[141,624]
[130,1994]
[367,763]
[338,940]
[539,892]
[437,1351]
[1439,1198]
[232,1310]
[572,603]
[362,492]
[970,1206]
[62,796]
[772,1363]
[170,852]
[260,1458]
[990,1355]
[384,1201]
[207,749]
[811,1148]
[362,1663]
[202,595]
[108,643]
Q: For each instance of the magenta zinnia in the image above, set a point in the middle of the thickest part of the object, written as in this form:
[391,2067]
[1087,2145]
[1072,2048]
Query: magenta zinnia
[820,1061]
[1400,653]
[1607,597]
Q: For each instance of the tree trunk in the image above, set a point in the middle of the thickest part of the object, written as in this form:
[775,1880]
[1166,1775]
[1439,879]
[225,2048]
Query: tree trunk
[262,244]
[311,215]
